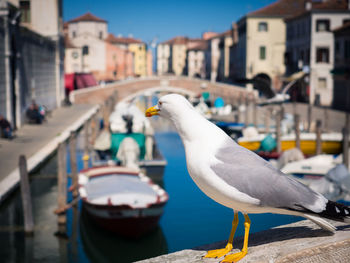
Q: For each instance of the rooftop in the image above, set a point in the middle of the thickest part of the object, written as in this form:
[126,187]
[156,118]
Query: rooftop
[122,40]
[280,8]
[87,17]
[179,40]
[203,45]
[319,5]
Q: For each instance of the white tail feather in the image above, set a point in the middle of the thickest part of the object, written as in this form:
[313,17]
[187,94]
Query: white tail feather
[321,222]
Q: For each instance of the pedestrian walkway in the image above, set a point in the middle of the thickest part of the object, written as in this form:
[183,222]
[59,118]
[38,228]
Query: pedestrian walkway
[37,142]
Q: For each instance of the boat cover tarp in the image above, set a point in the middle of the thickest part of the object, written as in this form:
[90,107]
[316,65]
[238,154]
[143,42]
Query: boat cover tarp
[268,144]
[120,189]
[117,138]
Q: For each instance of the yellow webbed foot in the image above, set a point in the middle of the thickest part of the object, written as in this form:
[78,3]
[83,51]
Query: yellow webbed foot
[235,257]
[218,253]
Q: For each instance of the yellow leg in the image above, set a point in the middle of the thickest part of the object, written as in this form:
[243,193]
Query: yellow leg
[238,256]
[217,253]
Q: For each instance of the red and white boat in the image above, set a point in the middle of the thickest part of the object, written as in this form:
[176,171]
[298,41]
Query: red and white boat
[121,199]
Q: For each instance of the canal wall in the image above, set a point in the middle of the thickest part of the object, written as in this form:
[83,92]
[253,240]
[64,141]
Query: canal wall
[38,142]
[300,242]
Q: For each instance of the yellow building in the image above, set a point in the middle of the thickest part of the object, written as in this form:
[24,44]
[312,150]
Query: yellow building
[139,50]
[258,56]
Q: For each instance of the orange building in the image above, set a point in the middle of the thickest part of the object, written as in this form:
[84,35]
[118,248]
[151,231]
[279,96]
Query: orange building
[119,62]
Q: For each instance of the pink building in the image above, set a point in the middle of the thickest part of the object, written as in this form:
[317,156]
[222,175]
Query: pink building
[119,62]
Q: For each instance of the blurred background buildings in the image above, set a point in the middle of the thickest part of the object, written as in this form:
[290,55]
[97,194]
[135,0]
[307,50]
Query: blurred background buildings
[306,41]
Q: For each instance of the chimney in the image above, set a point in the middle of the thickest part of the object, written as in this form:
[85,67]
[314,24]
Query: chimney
[308,5]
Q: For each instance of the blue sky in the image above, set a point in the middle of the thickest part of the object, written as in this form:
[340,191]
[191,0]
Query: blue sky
[163,20]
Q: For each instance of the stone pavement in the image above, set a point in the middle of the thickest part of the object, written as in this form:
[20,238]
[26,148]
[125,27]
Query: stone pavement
[37,142]
[298,242]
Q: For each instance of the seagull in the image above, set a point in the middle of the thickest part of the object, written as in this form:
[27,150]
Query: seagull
[238,178]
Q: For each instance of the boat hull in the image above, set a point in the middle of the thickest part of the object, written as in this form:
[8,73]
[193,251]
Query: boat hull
[130,223]
[307,146]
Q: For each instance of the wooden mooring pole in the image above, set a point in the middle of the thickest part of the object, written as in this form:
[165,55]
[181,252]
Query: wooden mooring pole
[267,119]
[247,109]
[73,162]
[326,119]
[86,144]
[255,113]
[62,184]
[346,141]
[309,117]
[318,137]
[297,130]
[278,130]
[26,196]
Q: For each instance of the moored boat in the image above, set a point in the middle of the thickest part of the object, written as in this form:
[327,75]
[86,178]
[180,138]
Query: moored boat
[128,122]
[122,200]
[331,142]
[313,167]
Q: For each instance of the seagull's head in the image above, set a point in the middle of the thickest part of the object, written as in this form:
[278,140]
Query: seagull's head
[170,106]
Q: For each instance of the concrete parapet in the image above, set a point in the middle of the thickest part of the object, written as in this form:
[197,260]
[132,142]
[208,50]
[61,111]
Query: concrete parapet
[298,242]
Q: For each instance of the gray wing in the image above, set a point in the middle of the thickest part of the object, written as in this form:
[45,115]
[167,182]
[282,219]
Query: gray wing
[252,175]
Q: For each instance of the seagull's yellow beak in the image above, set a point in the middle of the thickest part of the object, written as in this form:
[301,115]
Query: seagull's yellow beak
[152,111]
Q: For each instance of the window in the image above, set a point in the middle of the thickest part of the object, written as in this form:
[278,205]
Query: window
[337,47]
[262,27]
[286,58]
[85,50]
[75,54]
[301,55]
[322,83]
[242,29]
[322,25]
[25,11]
[100,35]
[74,34]
[322,55]
[346,21]
[262,52]
[347,49]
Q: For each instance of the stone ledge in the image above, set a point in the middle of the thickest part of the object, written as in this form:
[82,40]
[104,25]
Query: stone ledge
[298,242]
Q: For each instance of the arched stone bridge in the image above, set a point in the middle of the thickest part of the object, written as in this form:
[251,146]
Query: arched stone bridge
[128,89]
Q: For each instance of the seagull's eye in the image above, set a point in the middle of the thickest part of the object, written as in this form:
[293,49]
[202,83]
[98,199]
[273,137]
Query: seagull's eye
[160,103]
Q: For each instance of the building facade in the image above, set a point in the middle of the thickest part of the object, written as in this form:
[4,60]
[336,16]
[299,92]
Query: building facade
[259,53]
[163,59]
[32,68]
[120,61]
[139,49]
[310,43]
[171,56]
[88,33]
[341,71]
[195,65]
